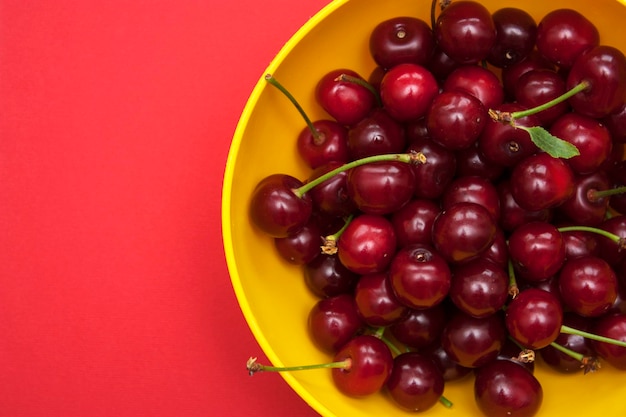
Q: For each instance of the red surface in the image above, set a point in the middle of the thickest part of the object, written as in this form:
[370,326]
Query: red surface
[115,123]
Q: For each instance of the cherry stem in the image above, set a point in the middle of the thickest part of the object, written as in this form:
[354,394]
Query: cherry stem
[273,81]
[362,83]
[513,288]
[621,242]
[510,117]
[595,195]
[445,402]
[588,363]
[409,158]
[329,246]
[570,330]
[253,366]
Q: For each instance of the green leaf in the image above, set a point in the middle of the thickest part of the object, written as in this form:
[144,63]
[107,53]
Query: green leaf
[553,146]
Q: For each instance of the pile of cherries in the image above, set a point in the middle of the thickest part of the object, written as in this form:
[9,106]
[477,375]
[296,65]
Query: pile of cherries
[464,226]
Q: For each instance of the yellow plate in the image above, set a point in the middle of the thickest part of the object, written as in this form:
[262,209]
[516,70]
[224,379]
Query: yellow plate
[271,293]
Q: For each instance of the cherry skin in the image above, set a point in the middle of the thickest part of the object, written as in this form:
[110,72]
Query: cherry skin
[534,318]
[479,287]
[612,326]
[433,177]
[414,221]
[604,68]
[616,123]
[516,31]
[370,366]
[367,244]
[451,370]
[333,322]
[472,189]
[331,196]
[346,101]
[512,214]
[536,250]
[561,361]
[564,34]
[415,383]
[378,133]
[463,231]
[539,86]
[420,328]
[583,208]
[381,187]
[455,119]
[579,243]
[419,276]
[276,209]
[302,246]
[589,135]
[328,142]
[588,286]
[472,162]
[473,342]
[541,181]
[502,388]
[407,91]
[608,249]
[478,82]
[465,31]
[326,276]
[512,73]
[376,302]
[400,40]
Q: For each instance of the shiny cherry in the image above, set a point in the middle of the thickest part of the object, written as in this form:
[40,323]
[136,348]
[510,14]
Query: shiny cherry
[399,40]
[326,276]
[346,101]
[378,133]
[516,31]
[420,328]
[376,302]
[407,91]
[433,177]
[477,81]
[367,244]
[415,383]
[414,221]
[334,321]
[479,287]
[612,326]
[534,318]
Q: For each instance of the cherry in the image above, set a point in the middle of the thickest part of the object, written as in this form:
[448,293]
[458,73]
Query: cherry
[512,214]
[502,388]
[465,31]
[564,362]
[378,133]
[407,91]
[512,352]
[584,207]
[334,321]
[616,123]
[376,302]
[434,177]
[346,101]
[472,162]
[473,342]
[591,137]
[564,34]
[579,243]
[541,181]
[370,362]
[516,31]
[326,276]
[588,286]
[511,74]
[276,209]
[367,244]
[479,287]
[323,141]
[331,196]
[478,82]
[441,65]
[420,328]
[415,383]
[463,231]
[539,86]
[601,72]
[302,246]
[611,250]
[498,252]
[400,40]
[536,250]
[382,187]
[612,326]
[419,276]
[472,189]
[534,318]
[414,221]
[455,119]
[451,370]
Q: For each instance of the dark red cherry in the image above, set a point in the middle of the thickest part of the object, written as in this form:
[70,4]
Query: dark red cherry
[609,250]
[370,366]
[415,384]
[612,326]
[346,101]
[563,362]
[512,214]
[302,246]
[503,388]
[463,231]
[516,31]
[583,208]
[331,196]
[479,287]
[328,142]
[334,321]
[433,177]
[588,286]
[441,65]
[451,370]
[604,69]
[275,207]
[326,276]
[381,187]
[399,40]
[616,123]
[465,31]
[376,302]
[420,328]
[413,222]
[407,90]
[534,318]
[511,74]
[378,133]
[539,86]
[564,34]
[455,119]
[367,244]
[536,250]
[473,342]
[478,82]
[579,243]
[472,189]
[540,181]
[472,162]
[420,277]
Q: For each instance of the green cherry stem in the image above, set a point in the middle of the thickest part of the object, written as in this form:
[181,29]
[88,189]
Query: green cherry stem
[409,158]
[621,242]
[513,288]
[274,82]
[253,366]
[570,330]
[595,195]
[329,246]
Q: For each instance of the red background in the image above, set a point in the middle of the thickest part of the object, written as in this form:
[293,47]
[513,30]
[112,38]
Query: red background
[115,123]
